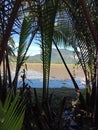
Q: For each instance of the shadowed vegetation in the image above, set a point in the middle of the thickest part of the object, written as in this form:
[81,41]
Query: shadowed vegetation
[49,22]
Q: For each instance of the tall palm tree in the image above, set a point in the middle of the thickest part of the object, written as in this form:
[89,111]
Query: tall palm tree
[84,25]
[15,19]
[63,35]
[8,11]
[84,19]
[47,12]
[8,15]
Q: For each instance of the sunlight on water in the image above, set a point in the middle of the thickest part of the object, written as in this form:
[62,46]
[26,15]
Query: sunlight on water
[35,79]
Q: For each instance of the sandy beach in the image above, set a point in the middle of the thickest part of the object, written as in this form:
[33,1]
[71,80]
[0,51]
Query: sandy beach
[59,76]
[57,70]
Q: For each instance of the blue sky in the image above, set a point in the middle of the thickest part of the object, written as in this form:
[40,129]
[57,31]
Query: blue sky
[34,48]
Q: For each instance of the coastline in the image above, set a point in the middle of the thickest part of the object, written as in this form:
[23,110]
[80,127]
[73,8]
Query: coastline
[59,77]
[57,71]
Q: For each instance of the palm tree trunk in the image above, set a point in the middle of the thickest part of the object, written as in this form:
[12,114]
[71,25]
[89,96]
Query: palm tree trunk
[90,24]
[9,28]
[72,78]
[96,97]
[8,69]
[3,87]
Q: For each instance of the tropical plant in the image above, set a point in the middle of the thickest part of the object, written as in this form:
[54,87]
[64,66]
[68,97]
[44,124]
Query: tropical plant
[85,24]
[28,31]
[86,40]
[26,18]
[8,11]
[8,15]
[46,17]
[62,36]
[12,113]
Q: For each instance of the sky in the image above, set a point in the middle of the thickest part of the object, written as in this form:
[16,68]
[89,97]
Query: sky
[35,48]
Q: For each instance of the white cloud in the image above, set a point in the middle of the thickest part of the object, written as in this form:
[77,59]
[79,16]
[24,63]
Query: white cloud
[16,44]
[33,49]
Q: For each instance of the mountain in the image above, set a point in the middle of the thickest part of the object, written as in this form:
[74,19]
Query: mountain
[55,58]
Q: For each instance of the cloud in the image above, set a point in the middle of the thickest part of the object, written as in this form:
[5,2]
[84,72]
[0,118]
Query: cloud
[33,49]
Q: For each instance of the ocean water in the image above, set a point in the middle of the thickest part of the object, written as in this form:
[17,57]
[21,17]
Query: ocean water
[35,80]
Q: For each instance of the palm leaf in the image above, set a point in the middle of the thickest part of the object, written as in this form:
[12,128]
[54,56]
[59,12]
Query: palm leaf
[47,17]
[84,39]
[12,113]
[25,32]
[28,31]
[62,28]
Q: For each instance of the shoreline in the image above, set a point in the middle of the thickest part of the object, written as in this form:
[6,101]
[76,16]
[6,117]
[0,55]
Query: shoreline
[57,71]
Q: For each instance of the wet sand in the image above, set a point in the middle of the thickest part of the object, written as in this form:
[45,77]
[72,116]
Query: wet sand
[57,70]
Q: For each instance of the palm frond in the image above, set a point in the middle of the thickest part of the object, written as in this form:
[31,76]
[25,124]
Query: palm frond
[24,42]
[47,15]
[12,113]
[84,37]
[28,31]
[63,32]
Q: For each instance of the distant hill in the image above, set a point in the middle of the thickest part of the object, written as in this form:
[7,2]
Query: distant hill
[68,56]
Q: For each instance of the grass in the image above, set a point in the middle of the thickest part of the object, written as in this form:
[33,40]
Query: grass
[58,95]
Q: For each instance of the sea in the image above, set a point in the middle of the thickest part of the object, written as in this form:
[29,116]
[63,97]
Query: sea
[35,80]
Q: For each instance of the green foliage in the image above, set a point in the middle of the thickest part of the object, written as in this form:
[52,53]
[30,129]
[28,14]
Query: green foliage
[83,42]
[47,15]
[25,33]
[11,113]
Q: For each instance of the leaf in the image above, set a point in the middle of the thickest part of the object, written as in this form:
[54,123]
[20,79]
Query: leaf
[12,113]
